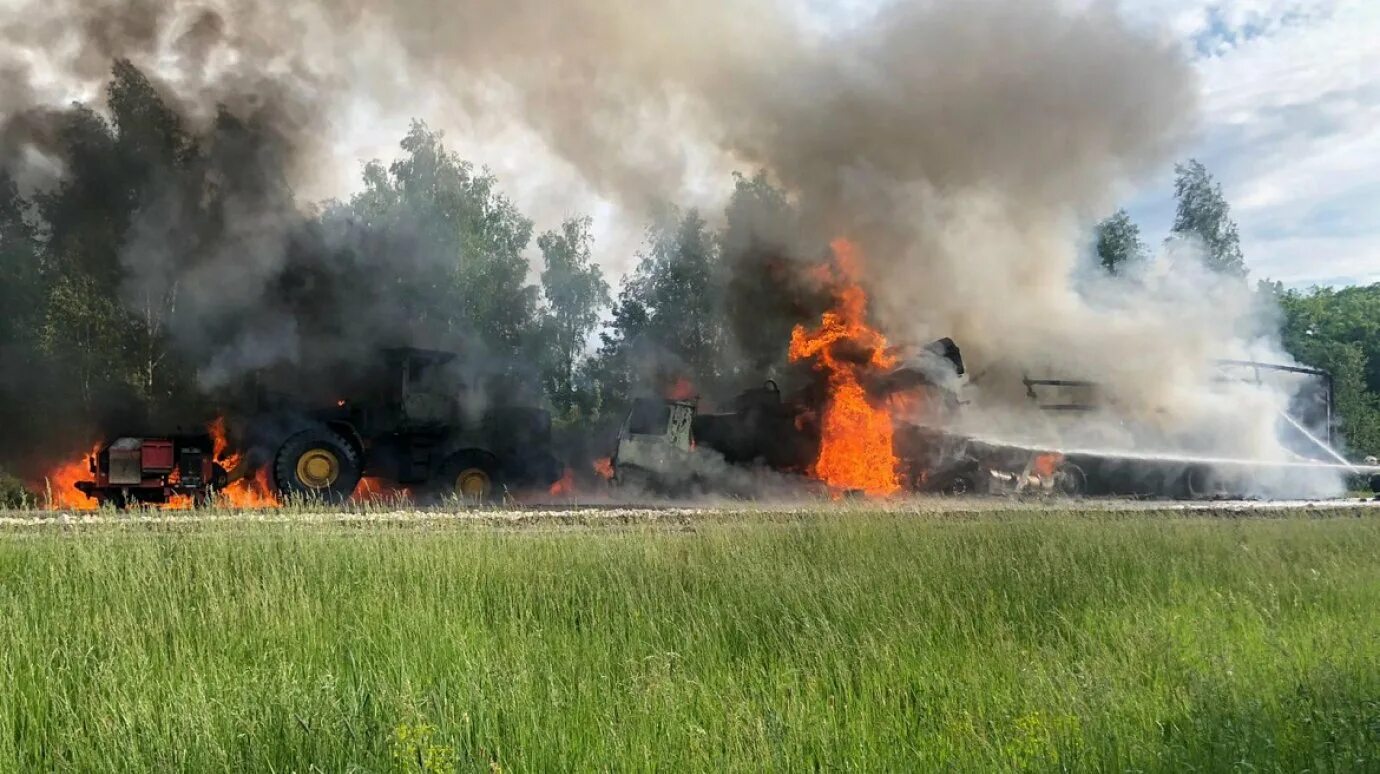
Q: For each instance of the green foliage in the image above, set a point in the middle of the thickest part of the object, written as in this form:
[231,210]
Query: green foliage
[91,266]
[1118,242]
[21,283]
[767,642]
[760,243]
[467,237]
[666,323]
[1339,331]
[414,749]
[122,175]
[678,278]
[84,330]
[1204,216]
[575,292]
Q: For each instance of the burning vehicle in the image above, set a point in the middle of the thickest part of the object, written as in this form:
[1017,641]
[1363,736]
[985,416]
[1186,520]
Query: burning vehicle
[406,425]
[1305,430]
[173,470]
[879,420]
[663,442]
[870,418]
[862,415]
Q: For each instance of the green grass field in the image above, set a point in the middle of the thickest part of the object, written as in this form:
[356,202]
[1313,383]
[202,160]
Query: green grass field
[861,641]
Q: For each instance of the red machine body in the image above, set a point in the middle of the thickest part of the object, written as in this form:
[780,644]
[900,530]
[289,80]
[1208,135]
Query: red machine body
[154,470]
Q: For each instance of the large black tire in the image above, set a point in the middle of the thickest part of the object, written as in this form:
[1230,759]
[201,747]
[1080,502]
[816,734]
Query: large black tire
[1203,482]
[962,484]
[1070,480]
[316,464]
[470,476]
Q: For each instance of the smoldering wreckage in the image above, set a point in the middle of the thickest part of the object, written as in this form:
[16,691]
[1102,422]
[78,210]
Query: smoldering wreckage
[871,419]
[960,148]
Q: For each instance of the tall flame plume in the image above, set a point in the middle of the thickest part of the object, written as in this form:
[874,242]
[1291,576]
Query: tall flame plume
[855,434]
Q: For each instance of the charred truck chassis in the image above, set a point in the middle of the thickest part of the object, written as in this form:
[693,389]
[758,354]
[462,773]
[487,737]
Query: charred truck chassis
[134,469]
[411,431]
[1145,476]
[662,441]
[658,443]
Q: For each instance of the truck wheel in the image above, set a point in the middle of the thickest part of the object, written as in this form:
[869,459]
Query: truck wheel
[1070,480]
[1152,483]
[1203,482]
[960,485]
[316,463]
[471,476]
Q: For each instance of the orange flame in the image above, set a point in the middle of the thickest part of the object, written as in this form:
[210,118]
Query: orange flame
[1046,465]
[855,436]
[60,484]
[377,489]
[604,468]
[681,389]
[254,491]
[566,484]
[176,502]
[220,445]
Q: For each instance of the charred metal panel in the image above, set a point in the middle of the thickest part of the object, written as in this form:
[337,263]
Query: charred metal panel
[126,461]
[191,468]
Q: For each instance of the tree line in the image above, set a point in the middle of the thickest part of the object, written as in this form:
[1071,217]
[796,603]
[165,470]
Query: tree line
[84,333]
[76,334]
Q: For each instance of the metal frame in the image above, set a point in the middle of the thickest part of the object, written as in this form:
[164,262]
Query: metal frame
[1031,384]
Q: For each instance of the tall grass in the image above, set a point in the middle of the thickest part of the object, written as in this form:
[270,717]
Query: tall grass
[865,642]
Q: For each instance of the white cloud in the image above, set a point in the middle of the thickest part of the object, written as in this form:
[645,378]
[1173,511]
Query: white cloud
[1291,109]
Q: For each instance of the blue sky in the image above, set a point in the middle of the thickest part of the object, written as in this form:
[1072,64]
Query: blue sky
[1290,128]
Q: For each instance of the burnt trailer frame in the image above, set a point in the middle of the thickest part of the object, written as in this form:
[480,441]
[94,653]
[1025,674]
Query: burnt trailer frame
[1326,376]
[1329,389]
[1122,475]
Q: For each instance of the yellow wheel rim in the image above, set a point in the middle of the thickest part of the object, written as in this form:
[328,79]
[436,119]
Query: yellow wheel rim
[472,484]
[317,468]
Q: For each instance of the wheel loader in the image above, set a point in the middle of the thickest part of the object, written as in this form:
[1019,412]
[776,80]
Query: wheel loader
[408,425]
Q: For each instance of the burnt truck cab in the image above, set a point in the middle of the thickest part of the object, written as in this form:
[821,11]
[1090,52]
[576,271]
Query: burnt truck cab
[761,428]
[667,446]
[655,444]
[136,469]
[410,422]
